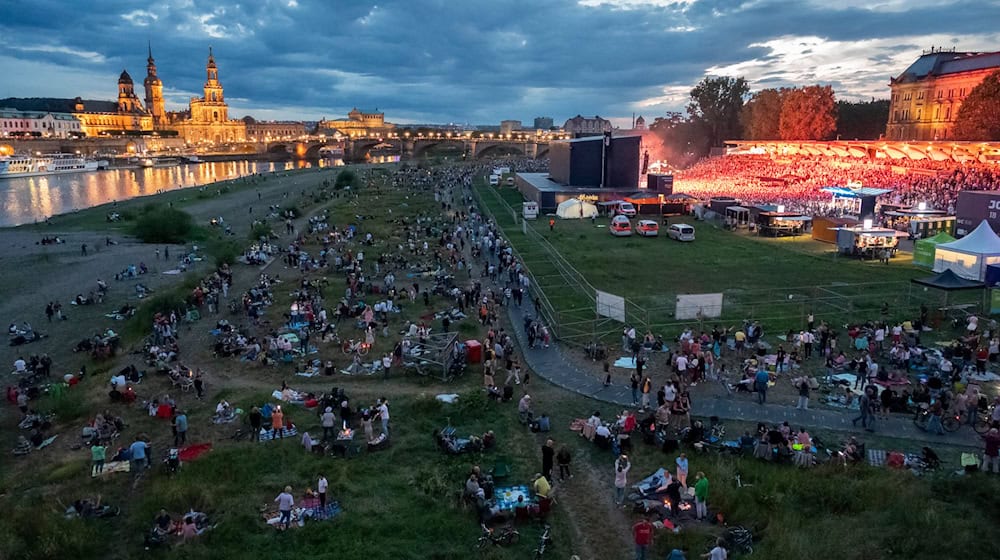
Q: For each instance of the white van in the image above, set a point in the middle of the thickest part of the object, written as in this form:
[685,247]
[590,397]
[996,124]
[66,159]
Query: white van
[494,180]
[622,208]
[681,232]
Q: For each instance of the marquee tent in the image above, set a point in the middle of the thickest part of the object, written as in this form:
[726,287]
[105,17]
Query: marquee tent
[969,256]
[923,249]
[575,208]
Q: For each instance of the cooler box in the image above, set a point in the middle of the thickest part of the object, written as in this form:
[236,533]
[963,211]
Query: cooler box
[473,352]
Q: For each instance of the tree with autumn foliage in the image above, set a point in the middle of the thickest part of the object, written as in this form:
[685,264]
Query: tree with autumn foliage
[979,116]
[808,113]
[762,114]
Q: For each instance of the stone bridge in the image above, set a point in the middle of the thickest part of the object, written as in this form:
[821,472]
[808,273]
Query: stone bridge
[356,148]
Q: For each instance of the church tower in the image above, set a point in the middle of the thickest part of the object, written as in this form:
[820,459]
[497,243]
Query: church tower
[213,90]
[154,92]
[127,100]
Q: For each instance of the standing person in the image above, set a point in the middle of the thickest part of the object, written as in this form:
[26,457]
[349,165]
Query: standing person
[682,470]
[803,394]
[634,381]
[255,421]
[564,458]
[97,454]
[548,454]
[321,486]
[277,422]
[701,495]
[182,428]
[622,467]
[865,407]
[717,553]
[285,503]
[328,420]
[386,364]
[552,224]
[383,414]
[760,383]
[199,384]
[642,532]
[50,311]
[991,451]
[647,386]
[138,455]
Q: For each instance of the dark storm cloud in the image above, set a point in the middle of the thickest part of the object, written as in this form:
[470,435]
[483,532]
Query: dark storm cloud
[469,61]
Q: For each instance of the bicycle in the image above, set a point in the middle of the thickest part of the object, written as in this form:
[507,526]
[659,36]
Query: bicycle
[949,422]
[984,421]
[740,539]
[544,541]
[351,347]
[506,537]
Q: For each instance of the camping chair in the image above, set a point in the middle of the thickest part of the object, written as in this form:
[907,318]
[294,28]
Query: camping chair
[501,468]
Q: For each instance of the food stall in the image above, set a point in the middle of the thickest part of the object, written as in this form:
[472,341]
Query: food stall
[781,224]
[737,217]
[824,228]
[868,242]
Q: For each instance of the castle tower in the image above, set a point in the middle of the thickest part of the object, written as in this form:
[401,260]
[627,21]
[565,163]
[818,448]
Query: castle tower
[154,92]
[127,101]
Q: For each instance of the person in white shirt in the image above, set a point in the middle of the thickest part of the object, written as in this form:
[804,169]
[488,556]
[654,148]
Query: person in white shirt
[681,363]
[717,553]
[285,503]
[383,414]
[20,366]
[321,487]
[669,392]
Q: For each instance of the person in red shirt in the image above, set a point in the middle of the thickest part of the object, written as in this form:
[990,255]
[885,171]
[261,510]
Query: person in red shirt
[991,452]
[643,534]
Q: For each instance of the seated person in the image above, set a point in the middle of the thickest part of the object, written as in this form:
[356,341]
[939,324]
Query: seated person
[852,451]
[747,442]
[542,424]
[163,524]
[602,435]
[494,393]
[540,486]
[472,486]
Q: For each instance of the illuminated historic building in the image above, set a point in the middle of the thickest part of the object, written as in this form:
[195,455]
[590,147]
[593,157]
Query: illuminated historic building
[263,131]
[38,124]
[97,118]
[357,124]
[926,97]
[207,118]
[154,93]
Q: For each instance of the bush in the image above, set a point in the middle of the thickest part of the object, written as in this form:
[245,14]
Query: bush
[260,230]
[293,209]
[347,178]
[224,251]
[164,225]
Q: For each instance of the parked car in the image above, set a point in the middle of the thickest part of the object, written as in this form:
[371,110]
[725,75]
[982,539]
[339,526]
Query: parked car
[681,232]
[620,226]
[647,228]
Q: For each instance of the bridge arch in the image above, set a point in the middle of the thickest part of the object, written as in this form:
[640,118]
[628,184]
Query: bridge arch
[543,151]
[494,149]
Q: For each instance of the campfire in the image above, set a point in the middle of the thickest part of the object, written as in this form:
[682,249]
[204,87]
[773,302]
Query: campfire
[345,432]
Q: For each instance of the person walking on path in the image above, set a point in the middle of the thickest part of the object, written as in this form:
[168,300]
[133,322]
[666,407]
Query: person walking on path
[285,502]
[634,381]
[701,496]
[865,407]
[548,454]
[564,458]
[182,427]
[255,421]
[647,386]
[622,467]
[642,533]
[199,384]
[760,383]
[803,394]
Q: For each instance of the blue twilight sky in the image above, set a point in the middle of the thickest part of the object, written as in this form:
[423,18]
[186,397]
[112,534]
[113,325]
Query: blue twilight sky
[472,61]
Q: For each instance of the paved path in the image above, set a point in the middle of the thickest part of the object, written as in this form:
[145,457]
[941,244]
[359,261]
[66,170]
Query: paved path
[552,365]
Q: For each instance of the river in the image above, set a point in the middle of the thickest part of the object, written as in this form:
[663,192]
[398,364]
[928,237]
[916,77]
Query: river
[33,199]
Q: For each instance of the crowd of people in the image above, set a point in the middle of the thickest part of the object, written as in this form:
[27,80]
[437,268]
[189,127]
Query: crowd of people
[795,181]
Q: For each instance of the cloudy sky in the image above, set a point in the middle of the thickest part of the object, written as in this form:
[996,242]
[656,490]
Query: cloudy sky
[473,61]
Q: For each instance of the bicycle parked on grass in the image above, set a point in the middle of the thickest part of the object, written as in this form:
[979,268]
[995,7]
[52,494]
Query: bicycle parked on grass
[355,347]
[544,542]
[505,536]
[739,539]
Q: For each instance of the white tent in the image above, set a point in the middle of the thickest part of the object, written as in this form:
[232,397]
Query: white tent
[575,208]
[969,256]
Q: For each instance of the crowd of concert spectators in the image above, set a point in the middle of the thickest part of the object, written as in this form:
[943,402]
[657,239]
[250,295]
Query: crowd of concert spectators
[796,181]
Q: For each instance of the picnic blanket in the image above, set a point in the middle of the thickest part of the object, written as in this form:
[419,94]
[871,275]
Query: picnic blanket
[986,376]
[192,452]
[116,467]
[892,382]
[625,362]
[507,496]
[451,398]
[265,435]
[312,510]
[295,397]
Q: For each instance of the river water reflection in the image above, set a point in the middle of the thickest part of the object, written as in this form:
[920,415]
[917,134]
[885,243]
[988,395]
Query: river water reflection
[33,199]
